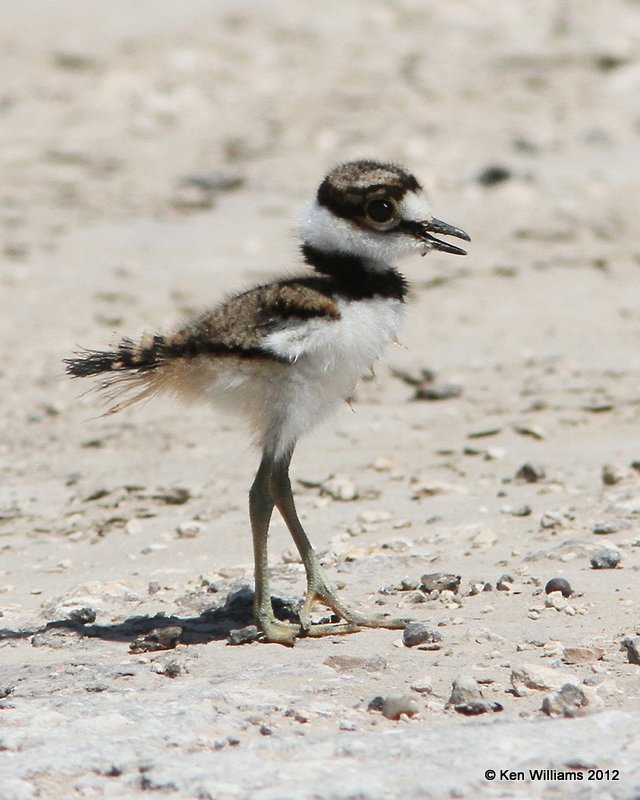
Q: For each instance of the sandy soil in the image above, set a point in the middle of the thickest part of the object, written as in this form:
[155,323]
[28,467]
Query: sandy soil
[523,120]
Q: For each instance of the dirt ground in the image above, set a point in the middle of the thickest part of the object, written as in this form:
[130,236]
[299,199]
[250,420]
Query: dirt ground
[155,155]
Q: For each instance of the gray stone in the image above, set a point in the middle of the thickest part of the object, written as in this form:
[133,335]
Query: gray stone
[504,583]
[612,474]
[437,391]
[395,705]
[632,646]
[606,558]
[376,703]
[418,633]
[439,582]
[82,616]
[157,639]
[423,686]
[466,698]
[610,526]
[530,472]
[559,585]
[569,701]
[493,174]
[249,633]
[527,678]
[375,663]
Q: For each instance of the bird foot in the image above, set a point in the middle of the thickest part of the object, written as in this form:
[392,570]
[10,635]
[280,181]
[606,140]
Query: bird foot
[320,592]
[278,632]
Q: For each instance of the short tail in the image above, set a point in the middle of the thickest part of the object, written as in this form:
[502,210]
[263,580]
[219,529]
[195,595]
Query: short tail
[128,370]
[129,355]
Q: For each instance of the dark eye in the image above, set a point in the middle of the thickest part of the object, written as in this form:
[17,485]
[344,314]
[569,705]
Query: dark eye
[381,210]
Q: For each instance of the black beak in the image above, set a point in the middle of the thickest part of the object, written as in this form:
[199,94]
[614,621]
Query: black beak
[423,231]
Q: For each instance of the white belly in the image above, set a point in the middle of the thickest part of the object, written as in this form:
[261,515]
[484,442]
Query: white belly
[328,359]
[282,401]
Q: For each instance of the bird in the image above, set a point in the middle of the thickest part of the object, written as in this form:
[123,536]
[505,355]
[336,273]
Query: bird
[286,353]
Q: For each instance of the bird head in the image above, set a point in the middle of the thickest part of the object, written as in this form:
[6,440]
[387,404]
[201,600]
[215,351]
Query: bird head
[377,212]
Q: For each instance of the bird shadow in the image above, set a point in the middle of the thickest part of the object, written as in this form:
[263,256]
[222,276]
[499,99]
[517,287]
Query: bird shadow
[162,632]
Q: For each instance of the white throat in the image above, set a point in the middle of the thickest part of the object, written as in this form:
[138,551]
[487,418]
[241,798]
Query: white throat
[323,230]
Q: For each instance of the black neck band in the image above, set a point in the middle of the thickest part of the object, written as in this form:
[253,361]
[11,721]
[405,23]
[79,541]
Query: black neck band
[352,278]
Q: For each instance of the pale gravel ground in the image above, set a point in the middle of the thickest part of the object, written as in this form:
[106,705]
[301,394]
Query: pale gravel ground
[105,107]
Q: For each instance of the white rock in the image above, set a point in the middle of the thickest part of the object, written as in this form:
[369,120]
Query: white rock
[340,488]
[423,685]
[528,678]
[189,530]
[485,538]
[374,516]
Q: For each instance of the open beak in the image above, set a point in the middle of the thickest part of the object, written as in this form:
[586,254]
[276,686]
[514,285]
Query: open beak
[424,231]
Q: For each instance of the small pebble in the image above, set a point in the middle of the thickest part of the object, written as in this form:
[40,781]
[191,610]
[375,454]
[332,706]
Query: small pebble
[408,585]
[82,616]
[437,391]
[422,686]
[530,473]
[493,174]
[237,636]
[610,526]
[171,669]
[340,488]
[505,583]
[477,587]
[551,519]
[530,430]
[632,646]
[395,705]
[559,585]
[494,453]
[440,582]
[582,655]
[375,663]
[376,703]
[612,474]
[192,197]
[466,698]
[214,181]
[374,516]
[418,633]
[175,496]
[569,701]
[533,677]
[133,526]
[484,538]
[554,600]
[482,433]
[189,530]
[157,639]
[520,511]
[606,558]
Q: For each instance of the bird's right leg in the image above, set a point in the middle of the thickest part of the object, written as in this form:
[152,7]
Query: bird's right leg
[319,589]
[260,510]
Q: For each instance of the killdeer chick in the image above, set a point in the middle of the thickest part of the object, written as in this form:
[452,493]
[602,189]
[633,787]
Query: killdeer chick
[286,353]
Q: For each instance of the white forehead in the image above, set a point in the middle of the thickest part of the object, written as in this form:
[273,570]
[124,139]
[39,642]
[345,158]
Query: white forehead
[415,207]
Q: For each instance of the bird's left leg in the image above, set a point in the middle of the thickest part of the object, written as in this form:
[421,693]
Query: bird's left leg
[260,510]
[319,588]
